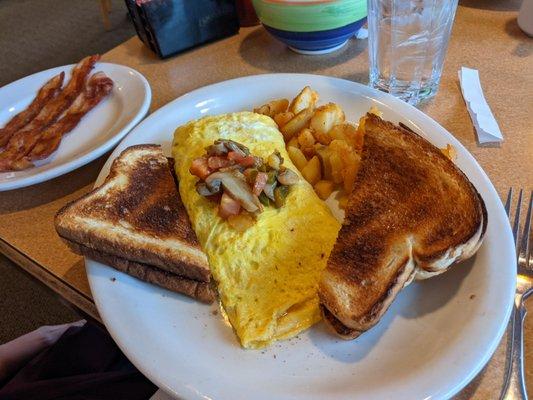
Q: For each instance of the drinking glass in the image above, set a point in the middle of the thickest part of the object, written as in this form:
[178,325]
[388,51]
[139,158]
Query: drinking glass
[407,42]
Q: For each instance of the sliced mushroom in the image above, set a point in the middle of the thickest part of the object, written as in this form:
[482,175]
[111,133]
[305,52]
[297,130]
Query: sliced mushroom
[217,149]
[269,190]
[236,147]
[288,177]
[236,188]
[271,184]
[204,189]
[232,168]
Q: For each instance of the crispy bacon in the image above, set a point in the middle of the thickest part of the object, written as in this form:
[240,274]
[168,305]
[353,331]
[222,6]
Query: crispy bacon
[22,142]
[47,92]
[98,87]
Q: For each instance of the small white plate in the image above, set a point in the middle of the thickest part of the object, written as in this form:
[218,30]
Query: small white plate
[435,338]
[99,131]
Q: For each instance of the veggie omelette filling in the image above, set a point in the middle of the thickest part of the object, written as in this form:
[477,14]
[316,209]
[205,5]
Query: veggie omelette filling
[266,233]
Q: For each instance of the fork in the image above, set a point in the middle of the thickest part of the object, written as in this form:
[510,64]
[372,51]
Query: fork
[514,387]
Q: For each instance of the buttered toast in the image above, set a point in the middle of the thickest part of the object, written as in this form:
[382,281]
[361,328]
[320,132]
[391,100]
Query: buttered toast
[412,214]
[136,219]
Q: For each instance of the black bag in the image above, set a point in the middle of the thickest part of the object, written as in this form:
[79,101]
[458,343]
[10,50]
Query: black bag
[171,26]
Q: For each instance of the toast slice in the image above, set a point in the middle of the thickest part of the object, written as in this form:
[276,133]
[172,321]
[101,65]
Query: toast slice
[137,215]
[203,291]
[411,215]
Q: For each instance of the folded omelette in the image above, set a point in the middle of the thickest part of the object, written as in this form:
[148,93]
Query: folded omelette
[267,276]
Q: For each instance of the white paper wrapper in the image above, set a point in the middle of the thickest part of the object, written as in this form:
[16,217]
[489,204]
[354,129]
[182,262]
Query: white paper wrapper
[362,33]
[486,126]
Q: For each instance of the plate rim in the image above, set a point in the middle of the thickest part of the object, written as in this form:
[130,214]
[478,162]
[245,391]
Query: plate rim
[75,163]
[376,96]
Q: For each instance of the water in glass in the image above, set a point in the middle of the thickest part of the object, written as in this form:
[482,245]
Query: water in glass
[407,44]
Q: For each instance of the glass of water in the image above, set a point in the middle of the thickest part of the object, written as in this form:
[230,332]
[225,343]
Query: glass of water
[407,42]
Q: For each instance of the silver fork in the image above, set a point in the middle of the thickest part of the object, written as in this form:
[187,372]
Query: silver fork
[514,387]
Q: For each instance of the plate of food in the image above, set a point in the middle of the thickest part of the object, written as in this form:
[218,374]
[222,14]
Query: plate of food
[57,120]
[338,245]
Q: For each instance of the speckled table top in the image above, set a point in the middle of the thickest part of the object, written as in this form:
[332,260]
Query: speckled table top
[485,36]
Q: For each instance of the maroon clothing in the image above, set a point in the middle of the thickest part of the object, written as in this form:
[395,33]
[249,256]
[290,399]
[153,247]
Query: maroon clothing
[84,364]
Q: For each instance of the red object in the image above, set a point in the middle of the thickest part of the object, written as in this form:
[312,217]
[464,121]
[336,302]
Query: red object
[246,13]
[247,161]
[216,163]
[260,182]
[228,206]
[200,168]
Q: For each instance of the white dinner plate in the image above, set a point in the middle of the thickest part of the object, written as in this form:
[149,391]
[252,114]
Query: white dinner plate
[99,131]
[434,339]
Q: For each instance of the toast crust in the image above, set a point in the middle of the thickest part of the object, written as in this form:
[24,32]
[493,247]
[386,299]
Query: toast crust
[412,214]
[137,214]
[202,291]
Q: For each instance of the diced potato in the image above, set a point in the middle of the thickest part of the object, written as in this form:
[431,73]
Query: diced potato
[354,136]
[264,109]
[293,142]
[348,133]
[349,160]
[322,138]
[337,132]
[307,98]
[282,118]
[319,146]
[311,171]
[309,151]
[278,106]
[449,151]
[351,165]
[343,201]
[297,157]
[295,125]
[272,108]
[323,189]
[341,147]
[323,153]
[326,117]
[336,167]
[306,138]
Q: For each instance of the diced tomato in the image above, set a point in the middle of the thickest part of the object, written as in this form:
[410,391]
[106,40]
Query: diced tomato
[245,161]
[215,162]
[228,206]
[260,182]
[200,168]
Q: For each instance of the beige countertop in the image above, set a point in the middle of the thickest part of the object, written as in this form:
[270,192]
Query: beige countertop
[485,36]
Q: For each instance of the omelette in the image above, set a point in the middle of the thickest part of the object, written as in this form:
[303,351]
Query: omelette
[267,276]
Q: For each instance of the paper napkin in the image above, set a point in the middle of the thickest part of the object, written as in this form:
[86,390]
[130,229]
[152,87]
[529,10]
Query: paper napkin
[362,33]
[486,126]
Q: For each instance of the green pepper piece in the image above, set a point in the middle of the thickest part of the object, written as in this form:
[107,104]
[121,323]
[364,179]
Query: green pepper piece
[272,176]
[264,199]
[280,195]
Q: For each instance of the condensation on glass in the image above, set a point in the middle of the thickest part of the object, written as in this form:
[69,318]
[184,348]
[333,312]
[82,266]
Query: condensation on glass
[407,44]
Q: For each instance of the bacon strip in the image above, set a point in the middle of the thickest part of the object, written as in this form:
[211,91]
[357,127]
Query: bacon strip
[23,140]
[98,87]
[47,92]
